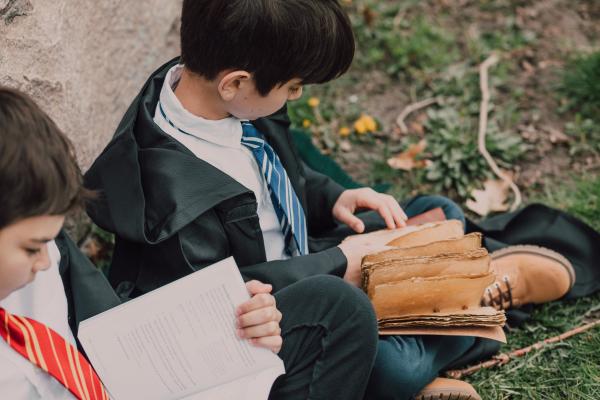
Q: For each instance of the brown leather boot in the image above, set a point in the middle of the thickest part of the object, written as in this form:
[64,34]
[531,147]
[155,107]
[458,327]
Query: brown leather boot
[448,389]
[527,274]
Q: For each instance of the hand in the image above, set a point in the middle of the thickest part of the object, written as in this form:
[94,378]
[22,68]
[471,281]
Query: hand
[258,318]
[355,248]
[354,199]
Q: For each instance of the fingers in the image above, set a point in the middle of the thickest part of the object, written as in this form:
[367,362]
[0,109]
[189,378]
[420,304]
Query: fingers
[346,216]
[398,214]
[272,343]
[260,300]
[258,317]
[258,331]
[388,208]
[256,287]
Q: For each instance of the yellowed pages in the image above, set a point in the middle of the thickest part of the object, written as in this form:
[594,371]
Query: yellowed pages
[466,243]
[429,295]
[428,233]
[471,262]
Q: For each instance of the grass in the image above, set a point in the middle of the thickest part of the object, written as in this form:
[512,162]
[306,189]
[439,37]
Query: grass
[581,86]
[565,370]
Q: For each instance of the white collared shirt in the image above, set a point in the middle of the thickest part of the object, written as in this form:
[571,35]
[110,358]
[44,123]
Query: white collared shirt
[219,144]
[43,300]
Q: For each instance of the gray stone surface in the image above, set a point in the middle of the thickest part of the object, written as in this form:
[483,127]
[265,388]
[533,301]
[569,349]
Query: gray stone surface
[85,60]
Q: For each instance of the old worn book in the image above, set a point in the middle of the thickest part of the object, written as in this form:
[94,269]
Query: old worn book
[468,242]
[434,215]
[432,295]
[393,270]
[427,233]
[476,317]
[431,282]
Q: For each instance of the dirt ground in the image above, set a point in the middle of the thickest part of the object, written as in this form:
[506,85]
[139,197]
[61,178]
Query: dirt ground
[561,29]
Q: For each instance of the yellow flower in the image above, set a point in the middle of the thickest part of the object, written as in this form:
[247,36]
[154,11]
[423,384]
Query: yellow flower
[365,124]
[314,102]
[306,123]
[360,127]
[344,131]
[370,123]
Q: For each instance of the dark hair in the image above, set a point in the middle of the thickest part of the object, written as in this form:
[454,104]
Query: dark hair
[275,40]
[38,171]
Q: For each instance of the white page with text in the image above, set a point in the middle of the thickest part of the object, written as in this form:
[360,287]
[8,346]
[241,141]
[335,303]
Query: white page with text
[179,342]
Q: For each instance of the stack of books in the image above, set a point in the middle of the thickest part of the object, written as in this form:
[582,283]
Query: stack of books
[432,282]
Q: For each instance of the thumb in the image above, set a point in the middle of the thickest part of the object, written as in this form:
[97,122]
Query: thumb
[346,217]
[255,287]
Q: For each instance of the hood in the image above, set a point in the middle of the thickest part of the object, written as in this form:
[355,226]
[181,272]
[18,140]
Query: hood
[148,185]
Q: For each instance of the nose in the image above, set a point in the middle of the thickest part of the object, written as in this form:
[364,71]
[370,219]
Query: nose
[42,263]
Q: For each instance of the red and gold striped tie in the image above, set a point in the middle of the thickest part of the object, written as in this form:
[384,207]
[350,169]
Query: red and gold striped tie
[52,353]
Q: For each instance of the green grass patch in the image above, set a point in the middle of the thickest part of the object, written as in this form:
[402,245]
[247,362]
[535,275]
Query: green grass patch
[581,86]
[578,195]
[564,370]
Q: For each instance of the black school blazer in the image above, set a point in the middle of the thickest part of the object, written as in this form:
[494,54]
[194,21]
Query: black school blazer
[87,290]
[173,213]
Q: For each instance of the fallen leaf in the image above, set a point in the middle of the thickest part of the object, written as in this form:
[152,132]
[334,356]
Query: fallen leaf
[407,160]
[493,198]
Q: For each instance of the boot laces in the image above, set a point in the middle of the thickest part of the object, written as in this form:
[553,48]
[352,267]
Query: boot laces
[503,300]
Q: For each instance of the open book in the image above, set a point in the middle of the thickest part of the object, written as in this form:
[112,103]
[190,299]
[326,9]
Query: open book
[179,342]
[431,282]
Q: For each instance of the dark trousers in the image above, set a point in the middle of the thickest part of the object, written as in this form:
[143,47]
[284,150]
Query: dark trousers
[329,340]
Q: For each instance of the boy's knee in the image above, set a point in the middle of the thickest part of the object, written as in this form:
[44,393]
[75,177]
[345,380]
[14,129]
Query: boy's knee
[450,208]
[344,303]
[338,293]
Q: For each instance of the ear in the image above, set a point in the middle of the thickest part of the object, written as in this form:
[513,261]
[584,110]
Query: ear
[230,84]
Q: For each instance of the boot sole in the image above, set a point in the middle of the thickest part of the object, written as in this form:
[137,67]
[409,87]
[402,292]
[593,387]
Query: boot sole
[538,251]
[447,396]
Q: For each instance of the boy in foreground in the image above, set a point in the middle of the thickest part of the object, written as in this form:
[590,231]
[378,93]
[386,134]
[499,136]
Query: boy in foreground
[40,183]
[202,167]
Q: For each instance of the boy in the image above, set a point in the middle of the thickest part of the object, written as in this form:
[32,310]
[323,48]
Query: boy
[188,179]
[39,183]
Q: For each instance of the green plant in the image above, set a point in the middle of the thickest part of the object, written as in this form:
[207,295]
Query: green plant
[585,134]
[581,86]
[457,166]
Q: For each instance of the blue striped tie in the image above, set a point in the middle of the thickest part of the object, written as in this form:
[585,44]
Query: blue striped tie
[287,205]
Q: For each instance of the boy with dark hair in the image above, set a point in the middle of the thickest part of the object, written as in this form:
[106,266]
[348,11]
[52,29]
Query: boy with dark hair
[40,182]
[188,180]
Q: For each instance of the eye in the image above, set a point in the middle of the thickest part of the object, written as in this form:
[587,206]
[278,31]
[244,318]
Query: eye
[32,252]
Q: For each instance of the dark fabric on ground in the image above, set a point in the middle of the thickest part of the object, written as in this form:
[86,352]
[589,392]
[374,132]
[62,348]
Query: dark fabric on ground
[329,342]
[325,165]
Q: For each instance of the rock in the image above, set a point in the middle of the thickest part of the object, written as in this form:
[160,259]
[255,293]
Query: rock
[85,61]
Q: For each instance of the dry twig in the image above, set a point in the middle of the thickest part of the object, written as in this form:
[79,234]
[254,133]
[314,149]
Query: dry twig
[483,122]
[412,108]
[504,358]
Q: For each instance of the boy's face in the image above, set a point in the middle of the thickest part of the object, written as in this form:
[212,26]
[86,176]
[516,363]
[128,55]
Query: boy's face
[24,250]
[249,104]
